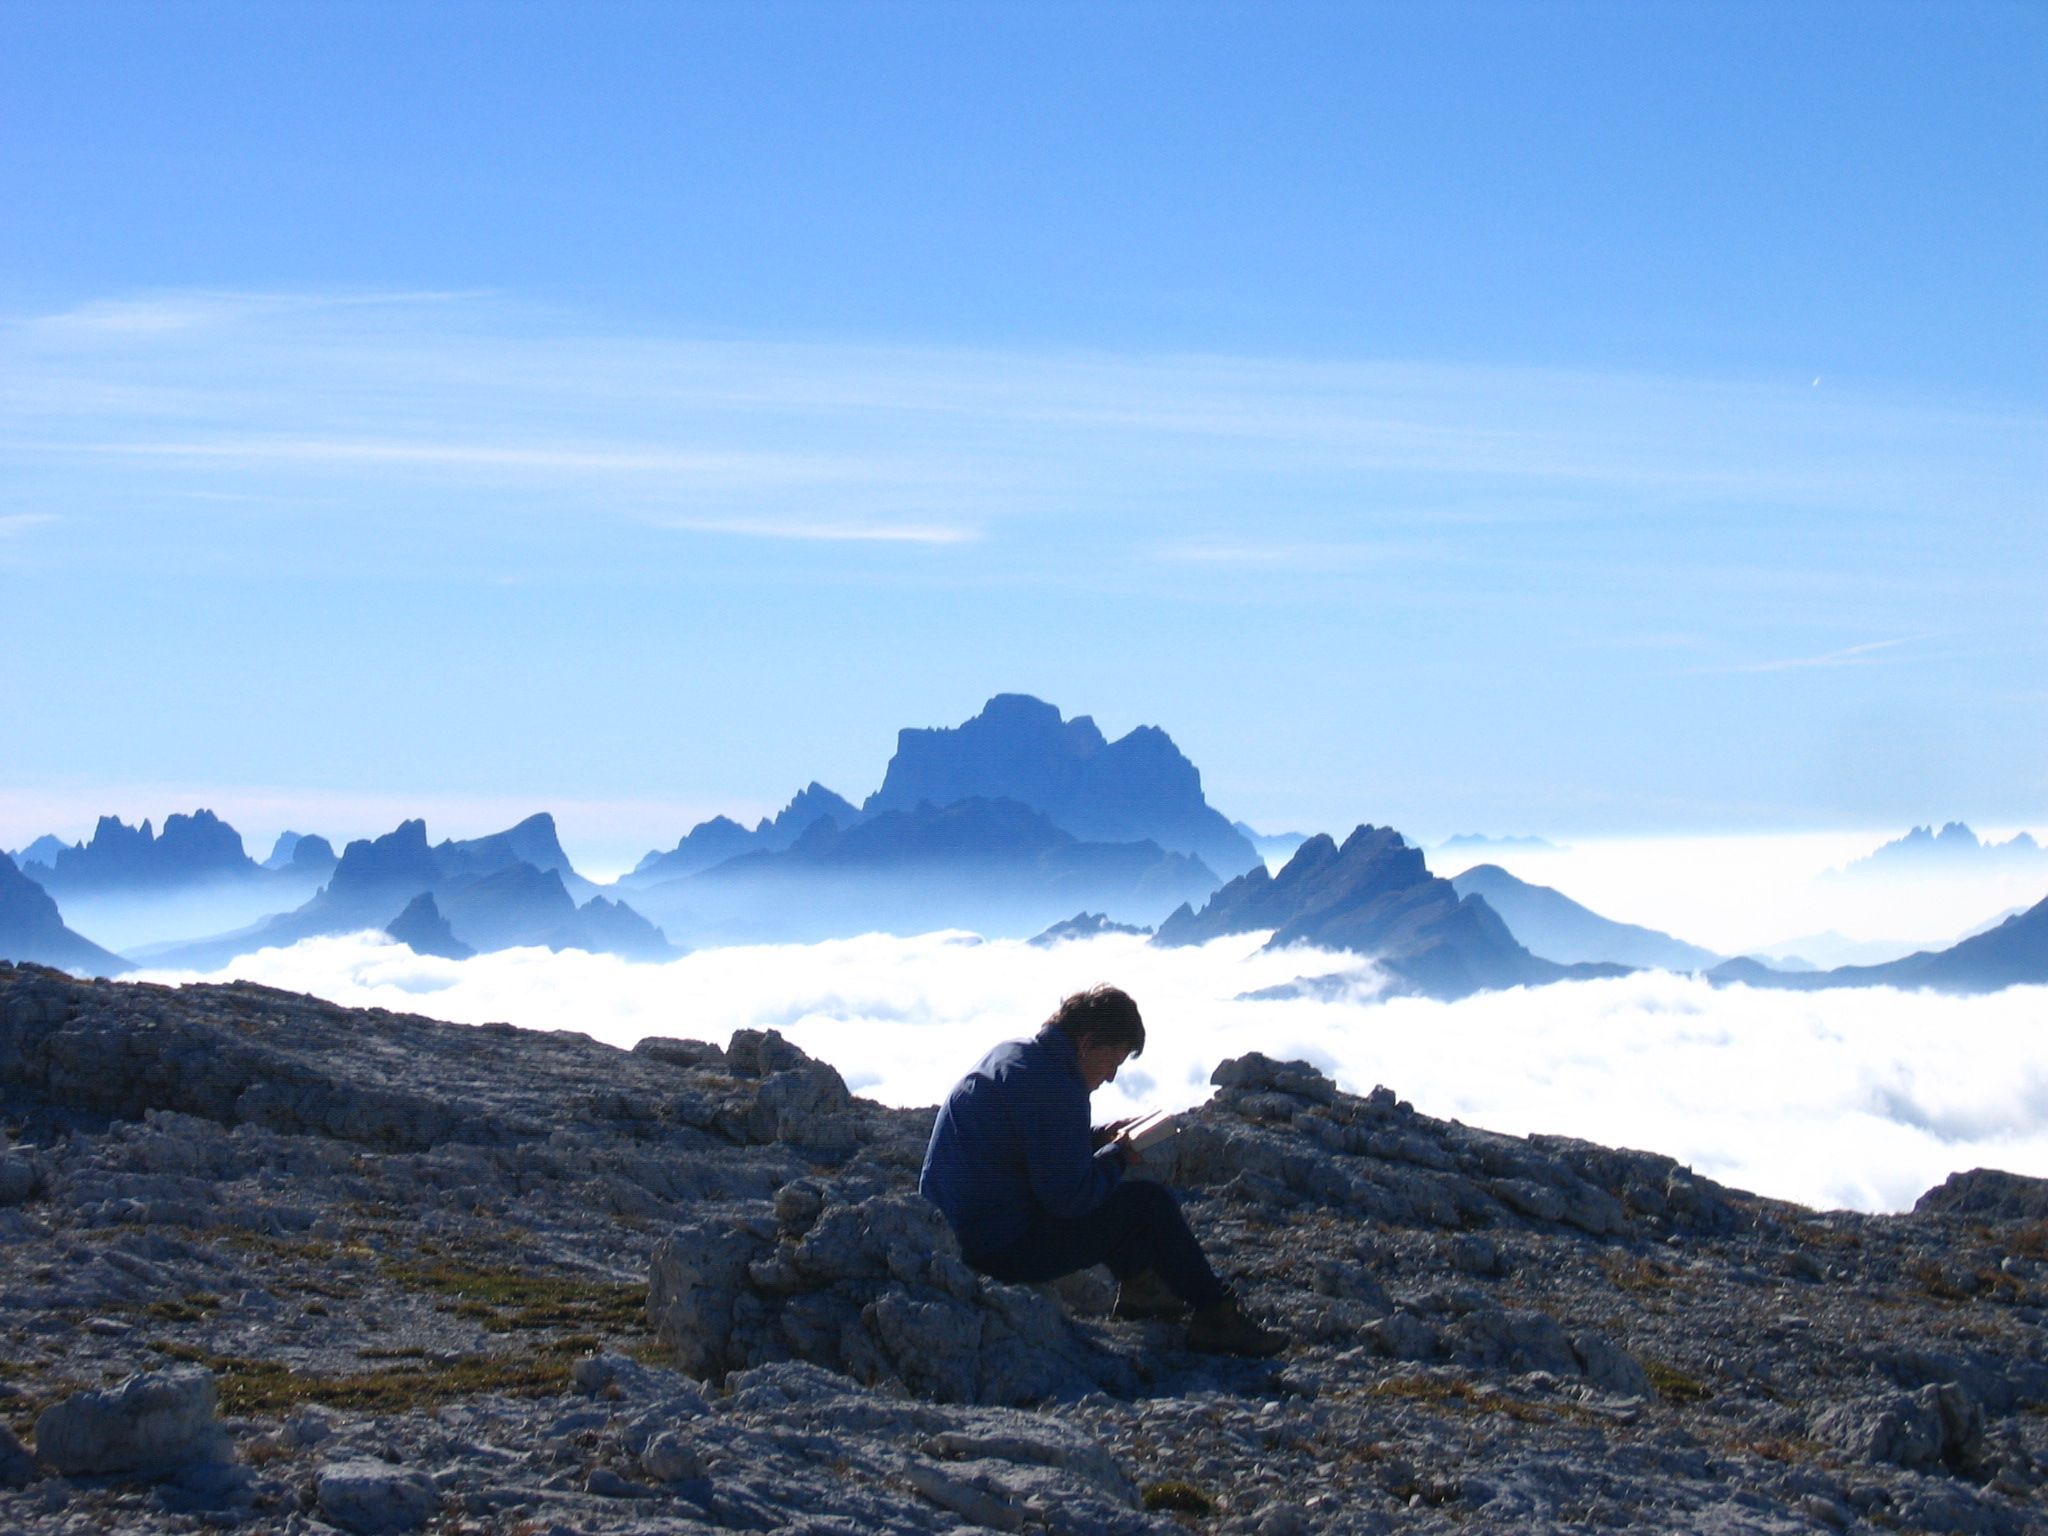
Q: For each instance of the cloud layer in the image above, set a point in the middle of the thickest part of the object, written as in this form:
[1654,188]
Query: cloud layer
[1862,1099]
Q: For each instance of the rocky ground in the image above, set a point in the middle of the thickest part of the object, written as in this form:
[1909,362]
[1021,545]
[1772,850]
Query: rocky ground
[271,1264]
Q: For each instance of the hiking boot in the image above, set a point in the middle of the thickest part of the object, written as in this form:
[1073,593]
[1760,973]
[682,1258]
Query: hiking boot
[1225,1330]
[1144,1296]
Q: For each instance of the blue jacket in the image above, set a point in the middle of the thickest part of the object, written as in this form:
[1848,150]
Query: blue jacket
[1012,1143]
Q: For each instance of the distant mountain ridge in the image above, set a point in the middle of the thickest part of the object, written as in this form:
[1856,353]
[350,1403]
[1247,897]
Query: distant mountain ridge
[998,866]
[487,892]
[1552,925]
[714,841]
[196,847]
[1955,846]
[2012,954]
[1375,897]
[32,928]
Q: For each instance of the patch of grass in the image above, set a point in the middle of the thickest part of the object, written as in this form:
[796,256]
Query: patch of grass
[513,1300]
[1787,1448]
[1674,1385]
[1636,1274]
[311,1250]
[1462,1396]
[651,1351]
[1833,1238]
[1174,1497]
[268,1388]
[193,1308]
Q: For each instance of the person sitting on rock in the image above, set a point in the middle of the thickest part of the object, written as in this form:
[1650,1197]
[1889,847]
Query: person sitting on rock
[1034,1193]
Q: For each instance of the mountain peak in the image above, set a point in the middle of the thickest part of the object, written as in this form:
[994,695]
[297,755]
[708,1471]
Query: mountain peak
[1135,789]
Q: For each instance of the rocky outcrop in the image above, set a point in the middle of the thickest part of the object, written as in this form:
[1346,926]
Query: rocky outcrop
[1138,788]
[1375,897]
[482,1279]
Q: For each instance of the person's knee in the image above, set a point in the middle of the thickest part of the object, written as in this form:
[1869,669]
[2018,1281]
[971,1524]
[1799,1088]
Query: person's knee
[1149,1202]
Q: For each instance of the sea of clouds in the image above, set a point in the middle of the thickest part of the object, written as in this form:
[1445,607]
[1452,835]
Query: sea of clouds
[1854,1098]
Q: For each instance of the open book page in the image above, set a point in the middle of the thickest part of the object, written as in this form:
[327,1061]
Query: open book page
[1149,1130]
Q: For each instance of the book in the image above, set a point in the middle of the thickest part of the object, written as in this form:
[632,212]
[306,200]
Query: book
[1150,1129]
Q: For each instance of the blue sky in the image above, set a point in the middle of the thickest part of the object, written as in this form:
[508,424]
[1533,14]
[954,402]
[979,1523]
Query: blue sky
[1563,419]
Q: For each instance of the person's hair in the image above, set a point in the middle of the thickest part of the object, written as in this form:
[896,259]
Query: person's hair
[1102,1014]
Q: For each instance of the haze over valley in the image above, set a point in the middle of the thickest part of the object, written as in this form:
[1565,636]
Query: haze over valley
[1022,854]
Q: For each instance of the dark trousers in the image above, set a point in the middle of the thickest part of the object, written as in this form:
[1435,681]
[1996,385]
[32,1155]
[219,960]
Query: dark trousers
[1138,1227]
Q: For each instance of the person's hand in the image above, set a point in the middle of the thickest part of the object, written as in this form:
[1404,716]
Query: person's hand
[1103,1135]
[1132,1156]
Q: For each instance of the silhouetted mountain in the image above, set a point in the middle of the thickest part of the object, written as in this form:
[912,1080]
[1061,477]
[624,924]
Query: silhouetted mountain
[1085,925]
[490,896]
[199,847]
[2013,954]
[533,841]
[1550,924]
[1138,788]
[43,851]
[31,928]
[422,928]
[305,853]
[714,841]
[281,850]
[1954,847]
[613,928]
[1375,897]
[997,866]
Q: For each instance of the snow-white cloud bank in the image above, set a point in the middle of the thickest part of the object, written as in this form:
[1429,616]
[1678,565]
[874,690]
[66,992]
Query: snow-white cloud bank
[1850,1098]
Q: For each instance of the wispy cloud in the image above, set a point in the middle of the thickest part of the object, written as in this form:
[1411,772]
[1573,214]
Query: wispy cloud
[1286,556]
[437,379]
[1866,655]
[14,524]
[188,310]
[829,533]
[561,459]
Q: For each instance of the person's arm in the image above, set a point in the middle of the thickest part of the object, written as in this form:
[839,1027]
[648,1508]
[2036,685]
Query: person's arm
[1069,1175]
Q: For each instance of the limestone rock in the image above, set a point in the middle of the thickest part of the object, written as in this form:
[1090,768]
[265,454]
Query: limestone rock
[151,1424]
[874,1288]
[1936,1427]
[371,1498]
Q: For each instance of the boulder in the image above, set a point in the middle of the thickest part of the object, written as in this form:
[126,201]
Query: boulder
[1939,1426]
[152,1425]
[371,1498]
[871,1288]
